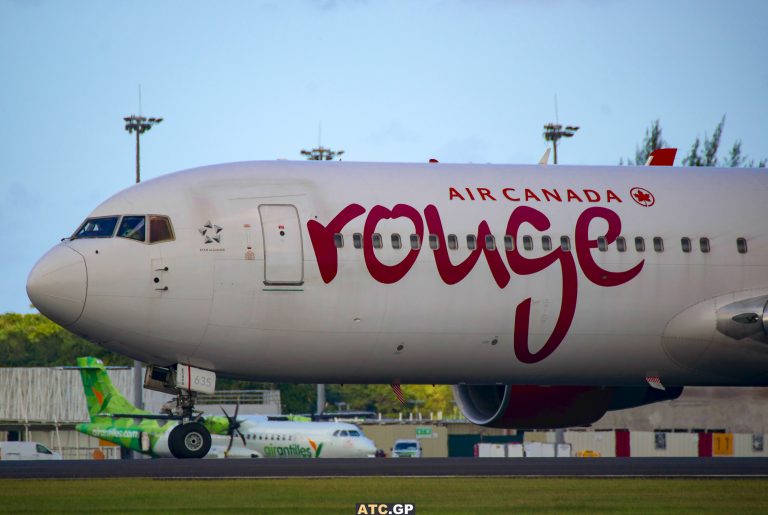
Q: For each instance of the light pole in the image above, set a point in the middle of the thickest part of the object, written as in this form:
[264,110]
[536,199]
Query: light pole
[139,125]
[554,131]
[321,154]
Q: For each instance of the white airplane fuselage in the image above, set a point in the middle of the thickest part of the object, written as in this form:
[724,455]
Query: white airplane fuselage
[255,283]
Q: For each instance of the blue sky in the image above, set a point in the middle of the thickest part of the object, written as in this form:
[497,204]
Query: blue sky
[461,81]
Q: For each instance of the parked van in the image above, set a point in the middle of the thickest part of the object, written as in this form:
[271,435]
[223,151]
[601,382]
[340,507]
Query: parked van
[26,451]
[406,449]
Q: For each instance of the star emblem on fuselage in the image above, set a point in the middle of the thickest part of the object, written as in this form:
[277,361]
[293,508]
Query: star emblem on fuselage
[211,232]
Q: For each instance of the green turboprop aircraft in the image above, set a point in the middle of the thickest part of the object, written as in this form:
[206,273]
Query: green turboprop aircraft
[116,420]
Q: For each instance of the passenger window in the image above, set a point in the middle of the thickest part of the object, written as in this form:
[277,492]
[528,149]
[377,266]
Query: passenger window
[415,242]
[453,242]
[490,242]
[704,244]
[685,243]
[471,241]
[509,244]
[102,227]
[396,242]
[640,244]
[565,243]
[658,244]
[602,244]
[338,240]
[433,243]
[546,243]
[132,227]
[377,241]
[741,245]
[160,229]
[527,243]
[357,240]
[621,244]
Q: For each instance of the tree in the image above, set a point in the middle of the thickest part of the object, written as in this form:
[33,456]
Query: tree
[701,153]
[34,341]
[652,141]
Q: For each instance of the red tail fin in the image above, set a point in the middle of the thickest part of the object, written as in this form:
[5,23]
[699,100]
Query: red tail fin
[662,157]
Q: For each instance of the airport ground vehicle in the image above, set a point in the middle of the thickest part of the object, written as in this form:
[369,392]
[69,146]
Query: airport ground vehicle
[587,453]
[26,451]
[405,448]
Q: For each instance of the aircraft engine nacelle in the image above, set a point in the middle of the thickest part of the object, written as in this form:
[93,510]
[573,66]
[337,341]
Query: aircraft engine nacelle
[548,407]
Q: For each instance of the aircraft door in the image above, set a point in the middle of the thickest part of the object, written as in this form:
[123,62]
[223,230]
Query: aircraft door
[283,254]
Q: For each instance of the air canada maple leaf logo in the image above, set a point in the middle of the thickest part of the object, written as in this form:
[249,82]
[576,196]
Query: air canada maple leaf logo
[211,232]
[642,196]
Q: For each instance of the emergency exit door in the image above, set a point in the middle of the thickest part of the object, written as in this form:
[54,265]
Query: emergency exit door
[283,254]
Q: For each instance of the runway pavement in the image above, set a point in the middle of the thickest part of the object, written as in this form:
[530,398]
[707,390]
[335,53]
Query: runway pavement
[424,467]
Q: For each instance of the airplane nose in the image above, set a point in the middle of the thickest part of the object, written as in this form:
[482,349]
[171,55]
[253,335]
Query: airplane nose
[57,285]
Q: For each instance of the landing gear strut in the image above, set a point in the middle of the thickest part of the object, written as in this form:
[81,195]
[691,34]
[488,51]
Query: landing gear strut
[190,438]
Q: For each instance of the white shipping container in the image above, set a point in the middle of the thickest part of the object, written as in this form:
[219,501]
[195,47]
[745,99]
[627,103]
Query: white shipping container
[563,450]
[491,450]
[539,450]
[515,450]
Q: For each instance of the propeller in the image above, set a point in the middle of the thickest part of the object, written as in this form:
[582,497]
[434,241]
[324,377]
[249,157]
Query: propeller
[234,427]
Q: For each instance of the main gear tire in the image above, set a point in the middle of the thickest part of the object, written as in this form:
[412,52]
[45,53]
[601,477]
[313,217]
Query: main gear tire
[189,441]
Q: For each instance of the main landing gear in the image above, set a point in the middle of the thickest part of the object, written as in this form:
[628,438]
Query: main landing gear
[190,438]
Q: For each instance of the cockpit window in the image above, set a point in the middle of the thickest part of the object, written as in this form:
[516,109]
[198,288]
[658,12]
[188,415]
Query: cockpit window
[159,229]
[101,227]
[132,227]
[343,433]
[352,432]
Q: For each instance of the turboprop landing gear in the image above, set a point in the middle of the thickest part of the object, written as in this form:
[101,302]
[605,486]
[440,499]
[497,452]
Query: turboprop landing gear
[190,438]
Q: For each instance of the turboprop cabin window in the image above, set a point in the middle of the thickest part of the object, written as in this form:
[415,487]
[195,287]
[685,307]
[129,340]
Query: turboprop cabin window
[602,244]
[132,227]
[621,244]
[565,243]
[357,240]
[338,240]
[396,242]
[160,229]
[704,244]
[546,243]
[685,242]
[490,242]
[453,242]
[101,227]
[741,245]
[640,244]
[471,241]
[415,242]
[658,244]
[509,244]
[377,242]
[433,243]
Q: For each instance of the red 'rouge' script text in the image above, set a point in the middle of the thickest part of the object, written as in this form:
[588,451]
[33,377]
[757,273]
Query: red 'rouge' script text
[322,237]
